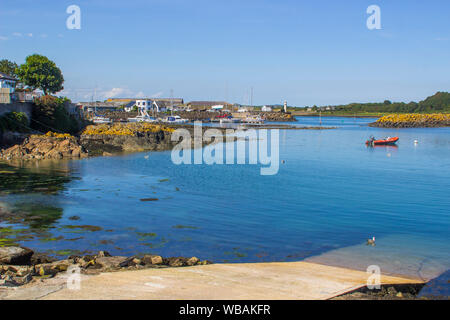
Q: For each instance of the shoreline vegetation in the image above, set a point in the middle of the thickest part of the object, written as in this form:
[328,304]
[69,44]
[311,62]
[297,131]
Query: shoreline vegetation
[437,103]
[412,120]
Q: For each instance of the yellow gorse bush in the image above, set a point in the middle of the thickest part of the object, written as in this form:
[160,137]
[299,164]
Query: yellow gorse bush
[58,135]
[415,117]
[125,129]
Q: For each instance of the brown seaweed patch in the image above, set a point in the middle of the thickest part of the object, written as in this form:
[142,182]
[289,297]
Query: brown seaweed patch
[180,226]
[149,199]
[82,228]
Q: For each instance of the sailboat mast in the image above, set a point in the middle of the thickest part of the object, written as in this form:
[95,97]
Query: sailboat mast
[171,102]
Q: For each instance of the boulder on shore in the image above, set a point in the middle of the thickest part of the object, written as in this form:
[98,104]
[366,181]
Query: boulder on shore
[15,255]
[152,259]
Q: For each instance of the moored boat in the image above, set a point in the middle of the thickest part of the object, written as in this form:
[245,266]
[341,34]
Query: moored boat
[100,120]
[142,118]
[381,142]
[175,119]
[253,120]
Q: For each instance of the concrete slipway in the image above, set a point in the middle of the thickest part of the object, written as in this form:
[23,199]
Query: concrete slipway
[276,280]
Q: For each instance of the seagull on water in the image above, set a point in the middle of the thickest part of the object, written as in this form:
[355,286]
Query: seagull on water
[371,242]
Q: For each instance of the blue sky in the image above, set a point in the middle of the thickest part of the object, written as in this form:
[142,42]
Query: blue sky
[306,52]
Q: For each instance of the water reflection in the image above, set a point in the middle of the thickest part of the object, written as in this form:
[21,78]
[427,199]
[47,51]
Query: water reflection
[24,217]
[46,177]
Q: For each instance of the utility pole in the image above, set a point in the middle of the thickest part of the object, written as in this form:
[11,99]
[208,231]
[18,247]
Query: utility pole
[251,97]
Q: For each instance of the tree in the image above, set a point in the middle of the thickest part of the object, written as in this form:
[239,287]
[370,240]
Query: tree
[50,114]
[38,72]
[8,67]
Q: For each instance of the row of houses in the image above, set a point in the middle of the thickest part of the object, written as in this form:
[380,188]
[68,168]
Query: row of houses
[166,104]
[147,104]
[327,108]
[9,94]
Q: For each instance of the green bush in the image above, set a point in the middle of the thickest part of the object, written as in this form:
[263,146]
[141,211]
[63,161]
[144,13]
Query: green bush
[14,121]
[49,114]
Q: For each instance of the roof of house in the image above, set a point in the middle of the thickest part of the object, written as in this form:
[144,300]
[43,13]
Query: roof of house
[4,76]
[207,103]
[160,104]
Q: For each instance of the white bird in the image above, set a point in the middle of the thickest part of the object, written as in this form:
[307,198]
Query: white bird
[371,242]
[145,157]
[416,141]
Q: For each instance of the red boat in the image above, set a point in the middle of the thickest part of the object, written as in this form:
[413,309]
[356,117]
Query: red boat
[387,141]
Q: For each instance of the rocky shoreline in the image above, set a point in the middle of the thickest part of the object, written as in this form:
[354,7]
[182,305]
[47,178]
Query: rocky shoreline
[20,265]
[106,140]
[101,140]
[386,292]
[109,144]
[39,147]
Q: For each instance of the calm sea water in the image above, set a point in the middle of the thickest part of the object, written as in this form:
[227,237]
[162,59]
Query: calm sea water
[330,195]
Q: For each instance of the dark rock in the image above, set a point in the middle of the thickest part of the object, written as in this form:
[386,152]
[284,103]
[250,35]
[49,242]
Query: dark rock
[39,258]
[391,291]
[175,261]
[74,258]
[129,262]
[15,255]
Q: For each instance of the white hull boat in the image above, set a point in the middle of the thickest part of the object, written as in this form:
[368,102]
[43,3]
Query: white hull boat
[101,120]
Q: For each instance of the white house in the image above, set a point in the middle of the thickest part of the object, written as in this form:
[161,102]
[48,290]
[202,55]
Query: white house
[266,109]
[242,110]
[144,103]
[129,106]
[7,82]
